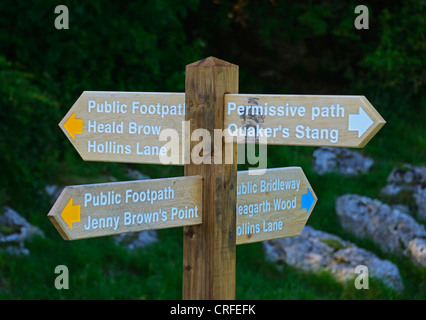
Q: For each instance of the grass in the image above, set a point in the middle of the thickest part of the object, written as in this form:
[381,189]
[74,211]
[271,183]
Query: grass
[100,269]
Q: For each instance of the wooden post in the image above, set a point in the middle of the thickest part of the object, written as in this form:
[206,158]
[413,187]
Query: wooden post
[209,248]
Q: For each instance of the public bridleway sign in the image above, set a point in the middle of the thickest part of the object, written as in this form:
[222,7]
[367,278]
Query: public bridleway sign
[273,205]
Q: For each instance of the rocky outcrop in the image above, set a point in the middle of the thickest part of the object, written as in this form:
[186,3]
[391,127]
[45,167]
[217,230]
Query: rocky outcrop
[135,240]
[389,227]
[420,200]
[136,175]
[405,178]
[54,191]
[340,160]
[409,182]
[14,231]
[315,251]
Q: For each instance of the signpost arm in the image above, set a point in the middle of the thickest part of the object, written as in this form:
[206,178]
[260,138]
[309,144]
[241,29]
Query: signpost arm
[209,248]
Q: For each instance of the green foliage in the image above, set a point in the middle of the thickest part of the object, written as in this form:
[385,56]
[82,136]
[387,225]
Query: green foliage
[280,46]
[398,59]
[117,46]
[29,116]
[314,47]
[113,45]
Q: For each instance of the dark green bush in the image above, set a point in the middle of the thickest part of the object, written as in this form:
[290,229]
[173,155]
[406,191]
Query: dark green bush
[29,141]
[110,45]
[298,47]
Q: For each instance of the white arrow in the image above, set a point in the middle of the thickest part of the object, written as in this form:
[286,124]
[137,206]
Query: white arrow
[359,122]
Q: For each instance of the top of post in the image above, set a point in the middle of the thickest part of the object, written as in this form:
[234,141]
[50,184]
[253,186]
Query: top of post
[212,62]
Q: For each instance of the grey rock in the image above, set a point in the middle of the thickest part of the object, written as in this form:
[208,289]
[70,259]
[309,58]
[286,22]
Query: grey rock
[389,227]
[346,260]
[14,231]
[420,199]
[54,191]
[135,240]
[392,189]
[410,182]
[341,160]
[135,174]
[417,250]
[408,175]
[315,251]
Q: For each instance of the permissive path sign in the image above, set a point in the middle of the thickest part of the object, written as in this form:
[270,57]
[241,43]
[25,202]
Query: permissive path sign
[217,207]
[307,120]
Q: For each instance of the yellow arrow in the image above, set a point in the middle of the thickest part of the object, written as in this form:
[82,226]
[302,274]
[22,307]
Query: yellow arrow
[74,125]
[71,213]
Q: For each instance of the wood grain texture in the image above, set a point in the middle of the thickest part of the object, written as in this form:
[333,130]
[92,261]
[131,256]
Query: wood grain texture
[209,249]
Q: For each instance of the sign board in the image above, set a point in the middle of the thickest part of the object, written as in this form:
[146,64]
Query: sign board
[274,205]
[126,126]
[95,210]
[306,120]
[123,126]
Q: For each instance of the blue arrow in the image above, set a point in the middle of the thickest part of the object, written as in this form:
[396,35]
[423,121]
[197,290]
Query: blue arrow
[307,200]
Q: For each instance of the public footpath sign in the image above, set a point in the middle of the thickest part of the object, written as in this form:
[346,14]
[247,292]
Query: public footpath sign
[274,205]
[123,126]
[217,206]
[95,210]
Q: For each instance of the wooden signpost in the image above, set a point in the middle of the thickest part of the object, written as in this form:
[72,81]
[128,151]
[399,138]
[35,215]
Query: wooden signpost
[218,207]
